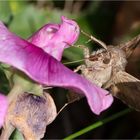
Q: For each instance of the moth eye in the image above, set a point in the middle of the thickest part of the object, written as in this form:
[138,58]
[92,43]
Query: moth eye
[106,60]
[93,58]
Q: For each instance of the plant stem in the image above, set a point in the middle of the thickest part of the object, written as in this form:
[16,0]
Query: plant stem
[15,91]
[98,124]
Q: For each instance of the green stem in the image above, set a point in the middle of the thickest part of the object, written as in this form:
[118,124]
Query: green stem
[16,90]
[98,124]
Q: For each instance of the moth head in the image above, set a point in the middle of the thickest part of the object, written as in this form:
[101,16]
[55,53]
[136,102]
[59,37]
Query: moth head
[101,56]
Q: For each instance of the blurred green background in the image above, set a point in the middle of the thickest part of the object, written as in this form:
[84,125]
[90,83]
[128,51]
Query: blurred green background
[112,22]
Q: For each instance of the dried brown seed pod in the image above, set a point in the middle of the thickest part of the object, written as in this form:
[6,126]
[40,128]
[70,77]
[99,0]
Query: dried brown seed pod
[30,114]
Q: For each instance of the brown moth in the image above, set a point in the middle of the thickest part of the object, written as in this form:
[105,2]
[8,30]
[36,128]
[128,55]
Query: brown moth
[106,68]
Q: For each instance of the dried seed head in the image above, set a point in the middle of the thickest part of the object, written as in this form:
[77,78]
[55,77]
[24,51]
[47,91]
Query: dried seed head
[31,114]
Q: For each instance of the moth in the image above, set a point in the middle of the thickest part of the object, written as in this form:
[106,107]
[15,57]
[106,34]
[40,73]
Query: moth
[106,68]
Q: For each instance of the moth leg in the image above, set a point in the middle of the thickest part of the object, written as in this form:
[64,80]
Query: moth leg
[81,67]
[86,53]
[47,87]
[108,84]
[85,50]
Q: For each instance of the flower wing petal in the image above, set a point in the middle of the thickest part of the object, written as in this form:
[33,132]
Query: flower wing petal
[54,38]
[45,69]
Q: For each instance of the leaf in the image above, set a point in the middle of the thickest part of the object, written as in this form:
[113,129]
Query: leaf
[5,11]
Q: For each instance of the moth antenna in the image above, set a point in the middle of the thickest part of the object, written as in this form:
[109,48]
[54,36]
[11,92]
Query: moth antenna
[67,103]
[62,108]
[70,44]
[99,42]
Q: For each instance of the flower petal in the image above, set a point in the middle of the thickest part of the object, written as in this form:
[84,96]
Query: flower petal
[54,38]
[45,69]
[3,108]
[41,37]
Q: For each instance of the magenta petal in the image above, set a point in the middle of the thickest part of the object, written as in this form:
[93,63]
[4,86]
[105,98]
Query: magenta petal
[54,38]
[41,37]
[45,69]
[3,108]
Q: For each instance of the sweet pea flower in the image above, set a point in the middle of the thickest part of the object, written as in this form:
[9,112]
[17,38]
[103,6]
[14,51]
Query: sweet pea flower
[3,108]
[39,59]
[54,38]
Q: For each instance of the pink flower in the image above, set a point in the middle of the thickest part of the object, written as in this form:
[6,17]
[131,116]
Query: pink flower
[3,108]
[39,65]
[54,38]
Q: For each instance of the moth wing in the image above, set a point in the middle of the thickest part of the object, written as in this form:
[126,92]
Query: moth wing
[126,88]
[130,46]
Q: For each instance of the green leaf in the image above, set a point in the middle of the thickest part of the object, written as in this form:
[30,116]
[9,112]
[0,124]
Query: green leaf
[17,135]
[5,11]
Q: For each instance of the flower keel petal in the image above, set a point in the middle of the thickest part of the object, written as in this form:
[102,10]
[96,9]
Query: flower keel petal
[45,69]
